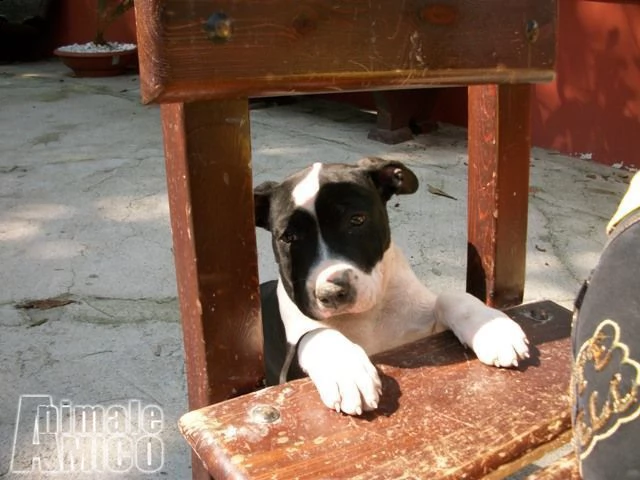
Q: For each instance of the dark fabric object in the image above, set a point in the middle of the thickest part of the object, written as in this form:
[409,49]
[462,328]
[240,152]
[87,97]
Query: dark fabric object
[275,339]
[19,11]
[606,348]
[25,29]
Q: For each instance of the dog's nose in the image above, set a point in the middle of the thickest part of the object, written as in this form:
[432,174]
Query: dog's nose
[335,290]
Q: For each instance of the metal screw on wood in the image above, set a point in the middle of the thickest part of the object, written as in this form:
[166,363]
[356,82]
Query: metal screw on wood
[532,30]
[218,27]
[264,414]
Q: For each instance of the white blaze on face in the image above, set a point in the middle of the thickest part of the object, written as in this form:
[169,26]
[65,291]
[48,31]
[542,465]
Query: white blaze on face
[305,193]
[367,286]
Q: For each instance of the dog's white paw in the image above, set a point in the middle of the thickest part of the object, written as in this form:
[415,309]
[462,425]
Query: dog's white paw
[345,378]
[501,342]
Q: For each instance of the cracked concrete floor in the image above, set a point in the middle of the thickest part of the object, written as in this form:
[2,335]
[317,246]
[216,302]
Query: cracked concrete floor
[84,220]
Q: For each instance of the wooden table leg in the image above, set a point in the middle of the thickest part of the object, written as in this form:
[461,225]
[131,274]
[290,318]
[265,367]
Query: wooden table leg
[397,109]
[499,148]
[208,162]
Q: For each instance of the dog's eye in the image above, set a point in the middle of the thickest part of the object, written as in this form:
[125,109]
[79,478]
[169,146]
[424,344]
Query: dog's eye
[289,237]
[357,219]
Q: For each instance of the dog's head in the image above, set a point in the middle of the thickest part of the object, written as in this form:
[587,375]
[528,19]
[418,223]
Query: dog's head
[330,231]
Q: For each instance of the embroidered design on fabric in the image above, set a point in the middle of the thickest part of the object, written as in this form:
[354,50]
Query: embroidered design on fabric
[599,415]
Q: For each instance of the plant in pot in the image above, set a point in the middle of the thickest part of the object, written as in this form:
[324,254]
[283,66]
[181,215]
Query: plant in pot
[99,57]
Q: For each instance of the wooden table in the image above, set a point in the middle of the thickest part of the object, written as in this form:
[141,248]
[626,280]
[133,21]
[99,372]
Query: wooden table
[203,59]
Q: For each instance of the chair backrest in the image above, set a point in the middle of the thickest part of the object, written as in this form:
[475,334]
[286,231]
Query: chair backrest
[198,49]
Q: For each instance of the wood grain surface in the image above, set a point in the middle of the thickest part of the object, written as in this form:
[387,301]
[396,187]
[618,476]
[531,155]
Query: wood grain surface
[443,415]
[565,468]
[202,49]
[498,201]
[208,161]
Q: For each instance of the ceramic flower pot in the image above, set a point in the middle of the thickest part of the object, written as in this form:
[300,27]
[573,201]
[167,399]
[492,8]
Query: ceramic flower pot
[104,63]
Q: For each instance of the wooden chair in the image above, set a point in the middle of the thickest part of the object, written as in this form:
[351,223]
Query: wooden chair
[565,468]
[203,59]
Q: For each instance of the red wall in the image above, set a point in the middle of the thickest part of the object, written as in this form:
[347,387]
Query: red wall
[76,23]
[593,106]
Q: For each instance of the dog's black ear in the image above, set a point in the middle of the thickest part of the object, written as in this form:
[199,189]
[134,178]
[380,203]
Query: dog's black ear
[389,176]
[262,204]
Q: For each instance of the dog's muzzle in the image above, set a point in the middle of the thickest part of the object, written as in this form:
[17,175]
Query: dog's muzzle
[336,291]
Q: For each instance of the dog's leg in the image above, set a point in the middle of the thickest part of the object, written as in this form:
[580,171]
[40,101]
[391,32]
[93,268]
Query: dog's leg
[345,378]
[494,337]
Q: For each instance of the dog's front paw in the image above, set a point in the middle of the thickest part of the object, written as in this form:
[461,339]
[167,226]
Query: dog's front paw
[345,378]
[500,342]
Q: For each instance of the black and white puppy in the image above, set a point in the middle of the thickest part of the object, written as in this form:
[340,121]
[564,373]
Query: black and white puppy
[345,291]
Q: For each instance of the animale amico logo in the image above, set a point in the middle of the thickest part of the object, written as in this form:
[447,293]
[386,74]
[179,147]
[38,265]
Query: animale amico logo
[67,438]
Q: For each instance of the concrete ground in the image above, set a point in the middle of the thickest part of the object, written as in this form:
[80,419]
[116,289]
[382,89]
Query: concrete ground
[84,218]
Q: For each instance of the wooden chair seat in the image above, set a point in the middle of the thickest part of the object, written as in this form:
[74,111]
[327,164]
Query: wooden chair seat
[565,468]
[443,415]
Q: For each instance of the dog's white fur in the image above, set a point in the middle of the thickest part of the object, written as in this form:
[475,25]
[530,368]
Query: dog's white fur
[335,352]
[304,194]
[392,307]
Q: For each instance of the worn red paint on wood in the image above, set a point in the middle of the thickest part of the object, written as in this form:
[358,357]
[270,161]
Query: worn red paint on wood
[208,159]
[440,14]
[499,149]
[208,163]
[565,468]
[277,47]
[443,415]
